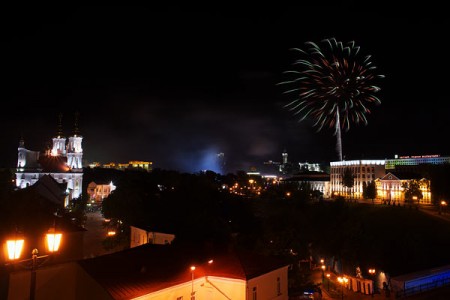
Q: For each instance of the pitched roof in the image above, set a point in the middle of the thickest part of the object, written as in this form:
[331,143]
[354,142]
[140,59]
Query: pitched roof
[48,187]
[148,268]
[389,176]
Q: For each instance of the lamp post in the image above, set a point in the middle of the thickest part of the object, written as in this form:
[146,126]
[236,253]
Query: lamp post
[323,272]
[372,273]
[328,285]
[210,262]
[442,204]
[343,281]
[14,249]
[192,290]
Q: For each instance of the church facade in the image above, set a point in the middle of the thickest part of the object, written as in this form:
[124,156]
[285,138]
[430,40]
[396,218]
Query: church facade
[63,162]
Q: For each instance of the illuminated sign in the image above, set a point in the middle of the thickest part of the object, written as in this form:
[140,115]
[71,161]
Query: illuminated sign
[421,156]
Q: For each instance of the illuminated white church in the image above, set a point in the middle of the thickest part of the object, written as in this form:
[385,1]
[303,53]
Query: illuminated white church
[63,162]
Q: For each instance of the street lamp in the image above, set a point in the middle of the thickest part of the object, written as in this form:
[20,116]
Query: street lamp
[441,206]
[14,249]
[323,272]
[192,290]
[343,281]
[328,277]
[372,273]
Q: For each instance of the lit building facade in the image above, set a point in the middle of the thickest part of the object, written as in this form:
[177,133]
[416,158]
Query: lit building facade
[390,189]
[416,160]
[97,192]
[318,181]
[140,236]
[63,162]
[363,171]
[310,167]
[131,165]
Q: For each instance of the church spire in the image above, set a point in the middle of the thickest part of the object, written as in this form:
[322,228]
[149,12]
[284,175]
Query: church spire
[21,141]
[76,130]
[60,130]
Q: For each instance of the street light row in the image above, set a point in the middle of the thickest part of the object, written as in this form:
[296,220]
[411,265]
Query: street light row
[341,279]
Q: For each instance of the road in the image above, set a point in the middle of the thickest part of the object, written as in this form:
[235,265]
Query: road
[434,212]
[95,233]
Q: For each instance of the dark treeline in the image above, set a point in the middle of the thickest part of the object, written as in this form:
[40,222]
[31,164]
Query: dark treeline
[195,207]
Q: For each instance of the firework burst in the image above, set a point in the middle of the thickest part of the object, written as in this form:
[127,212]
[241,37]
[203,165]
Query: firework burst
[333,84]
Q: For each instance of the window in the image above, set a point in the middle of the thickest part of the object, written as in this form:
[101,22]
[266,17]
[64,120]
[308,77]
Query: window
[278,286]
[254,293]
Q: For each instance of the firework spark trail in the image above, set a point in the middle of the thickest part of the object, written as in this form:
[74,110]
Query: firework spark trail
[332,85]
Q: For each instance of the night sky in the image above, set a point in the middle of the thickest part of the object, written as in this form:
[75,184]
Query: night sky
[176,85]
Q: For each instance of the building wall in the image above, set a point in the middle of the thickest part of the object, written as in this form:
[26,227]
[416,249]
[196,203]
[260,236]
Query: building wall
[140,236]
[273,285]
[360,285]
[363,170]
[410,284]
[416,160]
[132,165]
[74,181]
[322,186]
[70,281]
[317,185]
[392,190]
[62,281]
[98,192]
[210,288]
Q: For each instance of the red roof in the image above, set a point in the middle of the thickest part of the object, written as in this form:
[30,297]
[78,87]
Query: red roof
[149,268]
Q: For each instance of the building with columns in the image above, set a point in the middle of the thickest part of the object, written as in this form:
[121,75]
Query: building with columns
[363,171]
[63,162]
[390,188]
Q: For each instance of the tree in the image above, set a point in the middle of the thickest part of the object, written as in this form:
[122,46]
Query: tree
[369,190]
[412,190]
[348,179]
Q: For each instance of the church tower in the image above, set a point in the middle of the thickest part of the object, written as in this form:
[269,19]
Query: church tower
[22,155]
[62,162]
[285,157]
[59,141]
[74,149]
